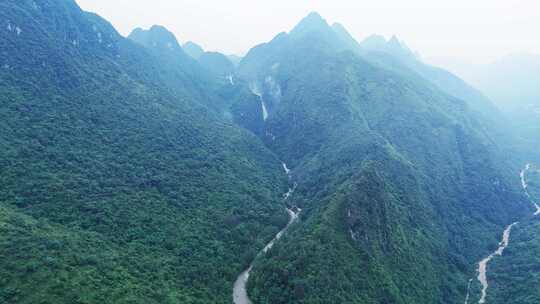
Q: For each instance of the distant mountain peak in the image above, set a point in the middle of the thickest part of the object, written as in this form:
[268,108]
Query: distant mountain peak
[312,22]
[157,36]
[193,49]
[345,36]
[315,16]
[338,26]
[392,46]
[394,41]
[374,42]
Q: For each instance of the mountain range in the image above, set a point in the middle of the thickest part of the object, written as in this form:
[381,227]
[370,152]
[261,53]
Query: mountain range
[141,170]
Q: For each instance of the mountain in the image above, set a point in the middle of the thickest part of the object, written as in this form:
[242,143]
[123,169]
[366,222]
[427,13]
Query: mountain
[393,47]
[192,49]
[312,22]
[180,71]
[217,63]
[346,37]
[493,78]
[401,59]
[512,83]
[401,187]
[514,275]
[164,45]
[394,55]
[133,172]
[119,183]
[214,74]
[157,37]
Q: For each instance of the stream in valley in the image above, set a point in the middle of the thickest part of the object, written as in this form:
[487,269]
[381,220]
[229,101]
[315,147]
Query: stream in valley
[482,265]
[240,295]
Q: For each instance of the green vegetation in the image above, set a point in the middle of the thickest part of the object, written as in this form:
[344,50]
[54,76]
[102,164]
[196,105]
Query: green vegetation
[402,190]
[128,175]
[533,182]
[118,183]
[515,276]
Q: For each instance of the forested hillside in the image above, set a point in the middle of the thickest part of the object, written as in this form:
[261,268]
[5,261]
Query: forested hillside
[401,187]
[515,275]
[119,184]
[140,170]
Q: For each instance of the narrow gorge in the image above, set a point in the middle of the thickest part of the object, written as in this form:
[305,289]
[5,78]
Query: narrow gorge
[483,264]
[240,295]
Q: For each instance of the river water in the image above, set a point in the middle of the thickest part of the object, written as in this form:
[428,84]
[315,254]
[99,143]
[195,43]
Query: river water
[240,295]
[482,265]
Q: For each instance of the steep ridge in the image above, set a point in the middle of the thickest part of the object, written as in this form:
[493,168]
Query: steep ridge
[119,183]
[126,176]
[211,77]
[396,56]
[192,49]
[178,70]
[402,190]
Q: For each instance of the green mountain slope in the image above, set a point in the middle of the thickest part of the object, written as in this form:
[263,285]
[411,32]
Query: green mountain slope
[178,70]
[212,74]
[514,276]
[118,183]
[394,55]
[128,175]
[402,189]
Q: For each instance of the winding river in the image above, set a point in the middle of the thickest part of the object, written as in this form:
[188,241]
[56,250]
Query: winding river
[482,265]
[240,295]
[240,292]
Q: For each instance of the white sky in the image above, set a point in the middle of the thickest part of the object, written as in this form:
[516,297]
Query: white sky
[471,30]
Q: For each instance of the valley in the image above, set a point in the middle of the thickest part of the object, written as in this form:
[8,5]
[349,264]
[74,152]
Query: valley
[240,295]
[482,265]
[316,168]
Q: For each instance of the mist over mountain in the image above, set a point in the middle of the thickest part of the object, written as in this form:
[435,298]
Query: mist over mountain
[315,169]
[499,80]
[512,83]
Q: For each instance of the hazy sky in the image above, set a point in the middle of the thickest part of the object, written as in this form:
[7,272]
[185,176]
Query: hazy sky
[473,30]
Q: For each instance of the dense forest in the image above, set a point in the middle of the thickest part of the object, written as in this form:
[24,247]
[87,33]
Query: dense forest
[516,274]
[115,186]
[143,170]
[393,178]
